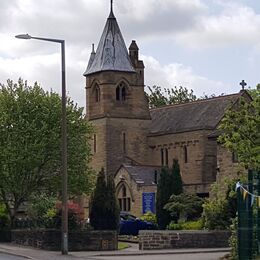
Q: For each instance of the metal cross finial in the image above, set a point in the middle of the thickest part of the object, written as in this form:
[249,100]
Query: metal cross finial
[243,84]
[111,6]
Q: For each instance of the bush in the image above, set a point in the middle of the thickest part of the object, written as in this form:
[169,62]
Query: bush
[4,219]
[185,206]
[75,216]
[188,225]
[40,205]
[150,217]
[220,209]
[193,225]
[233,239]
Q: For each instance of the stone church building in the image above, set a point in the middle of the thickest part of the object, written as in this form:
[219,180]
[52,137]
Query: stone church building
[133,142]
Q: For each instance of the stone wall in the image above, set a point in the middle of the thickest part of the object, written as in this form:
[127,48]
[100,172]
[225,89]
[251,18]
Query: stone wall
[226,166]
[199,171]
[78,240]
[166,239]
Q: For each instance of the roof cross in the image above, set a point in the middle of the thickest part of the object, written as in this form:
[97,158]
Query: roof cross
[111,6]
[243,84]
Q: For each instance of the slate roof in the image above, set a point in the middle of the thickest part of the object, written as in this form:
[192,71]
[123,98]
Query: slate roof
[143,175]
[196,115]
[111,54]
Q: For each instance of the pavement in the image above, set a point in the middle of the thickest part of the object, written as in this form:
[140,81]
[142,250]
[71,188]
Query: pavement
[38,254]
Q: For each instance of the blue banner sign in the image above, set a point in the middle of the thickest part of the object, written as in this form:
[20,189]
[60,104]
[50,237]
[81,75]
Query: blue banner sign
[148,202]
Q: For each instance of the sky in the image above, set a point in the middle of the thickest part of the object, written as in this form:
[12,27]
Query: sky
[205,45]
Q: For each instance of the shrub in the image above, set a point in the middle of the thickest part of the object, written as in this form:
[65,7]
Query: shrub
[40,204]
[233,239]
[185,206]
[193,225]
[220,209]
[188,225]
[75,216]
[174,226]
[150,217]
[4,219]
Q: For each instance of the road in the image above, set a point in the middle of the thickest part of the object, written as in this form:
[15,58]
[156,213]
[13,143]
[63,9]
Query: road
[10,257]
[204,256]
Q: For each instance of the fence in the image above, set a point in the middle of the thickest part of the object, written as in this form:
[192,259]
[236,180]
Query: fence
[248,203]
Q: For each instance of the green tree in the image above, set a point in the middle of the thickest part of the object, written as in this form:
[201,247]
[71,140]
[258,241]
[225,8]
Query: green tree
[185,205]
[176,180]
[241,130]
[30,144]
[221,207]
[167,96]
[104,209]
[112,205]
[164,191]
[169,183]
[97,213]
[40,204]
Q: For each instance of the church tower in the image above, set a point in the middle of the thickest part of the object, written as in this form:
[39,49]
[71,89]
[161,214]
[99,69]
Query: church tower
[115,101]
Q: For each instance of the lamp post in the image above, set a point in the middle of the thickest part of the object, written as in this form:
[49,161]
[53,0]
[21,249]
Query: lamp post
[64,235]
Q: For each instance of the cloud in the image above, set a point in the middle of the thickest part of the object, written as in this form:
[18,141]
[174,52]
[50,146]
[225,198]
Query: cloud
[153,18]
[189,23]
[236,25]
[176,74]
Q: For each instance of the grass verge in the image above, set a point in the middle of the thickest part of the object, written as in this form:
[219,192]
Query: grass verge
[122,245]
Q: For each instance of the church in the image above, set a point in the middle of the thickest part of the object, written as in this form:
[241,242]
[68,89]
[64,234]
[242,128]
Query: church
[132,142]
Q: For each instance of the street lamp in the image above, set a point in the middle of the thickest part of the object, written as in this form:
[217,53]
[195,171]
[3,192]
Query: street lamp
[64,236]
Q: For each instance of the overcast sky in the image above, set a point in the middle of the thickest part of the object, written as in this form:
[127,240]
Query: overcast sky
[205,45]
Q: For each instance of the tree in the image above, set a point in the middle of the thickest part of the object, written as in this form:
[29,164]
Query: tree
[162,196]
[169,96]
[185,205]
[241,130]
[176,178]
[112,206]
[104,210]
[221,207]
[30,144]
[169,183]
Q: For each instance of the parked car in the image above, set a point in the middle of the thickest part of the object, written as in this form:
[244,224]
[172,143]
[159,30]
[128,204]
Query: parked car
[130,225]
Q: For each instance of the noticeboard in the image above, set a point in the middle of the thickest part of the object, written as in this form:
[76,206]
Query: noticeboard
[148,202]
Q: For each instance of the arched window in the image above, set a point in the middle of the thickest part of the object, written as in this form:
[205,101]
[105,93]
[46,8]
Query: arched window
[162,157]
[121,92]
[185,150]
[166,157]
[118,93]
[124,199]
[97,93]
[124,142]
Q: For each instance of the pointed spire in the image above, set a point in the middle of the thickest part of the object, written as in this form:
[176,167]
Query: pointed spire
[92,56]
[111,53]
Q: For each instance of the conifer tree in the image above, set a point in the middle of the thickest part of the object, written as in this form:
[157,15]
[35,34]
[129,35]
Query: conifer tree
[112,205]
[104,210]
[98,204]
[176,178]
[170,183]
[164,191]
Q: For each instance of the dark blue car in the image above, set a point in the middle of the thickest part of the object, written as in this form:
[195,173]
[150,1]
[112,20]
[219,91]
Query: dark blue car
[130,225]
